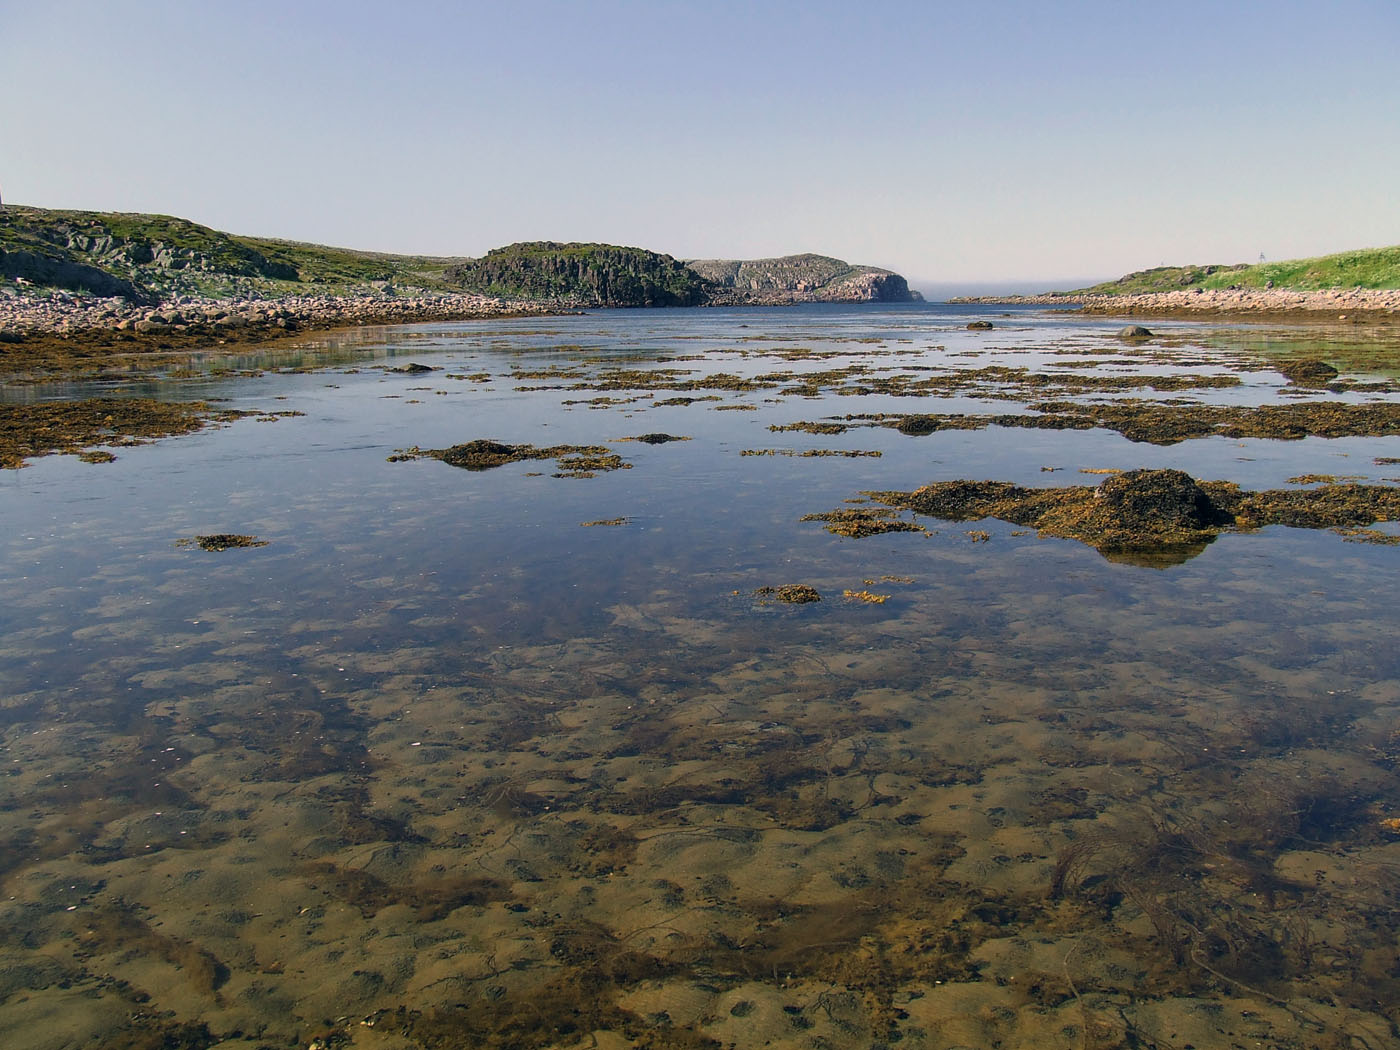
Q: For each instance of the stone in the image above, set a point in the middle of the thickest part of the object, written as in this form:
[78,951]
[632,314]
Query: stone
[979,326]
[1134,331]
[1308,372]
[1157,500]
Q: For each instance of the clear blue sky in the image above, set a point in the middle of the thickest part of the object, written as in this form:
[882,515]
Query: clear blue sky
[950,141]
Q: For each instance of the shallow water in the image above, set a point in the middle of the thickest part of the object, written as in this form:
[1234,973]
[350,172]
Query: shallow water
[440,767]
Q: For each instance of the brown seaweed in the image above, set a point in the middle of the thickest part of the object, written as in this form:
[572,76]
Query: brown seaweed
[1144,510]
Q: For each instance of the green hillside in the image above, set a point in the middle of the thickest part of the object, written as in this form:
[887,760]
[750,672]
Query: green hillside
[153,256]
[586,274]
[1158,279]
[1365,268]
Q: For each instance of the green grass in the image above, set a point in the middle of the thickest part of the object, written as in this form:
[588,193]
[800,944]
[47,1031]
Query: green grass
[1160,279]
[319,264]
[161,254]
[1365,268]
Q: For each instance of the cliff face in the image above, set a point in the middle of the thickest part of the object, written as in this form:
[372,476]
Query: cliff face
[800,278]
[582,275]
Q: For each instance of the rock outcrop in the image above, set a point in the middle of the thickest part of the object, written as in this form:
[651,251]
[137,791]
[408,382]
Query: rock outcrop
[577,274]
[800,278]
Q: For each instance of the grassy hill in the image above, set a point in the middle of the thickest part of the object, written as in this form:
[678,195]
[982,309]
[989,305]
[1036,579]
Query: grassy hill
[151,258]
[586,274]
[1365,268]
[154,256]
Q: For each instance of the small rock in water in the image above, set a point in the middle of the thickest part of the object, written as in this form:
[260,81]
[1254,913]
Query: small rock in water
[658,439]
[1308,372]
[979,326]
[1134,331]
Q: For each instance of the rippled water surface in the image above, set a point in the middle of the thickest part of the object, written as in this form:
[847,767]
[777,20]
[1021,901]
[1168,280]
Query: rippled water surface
[441,765]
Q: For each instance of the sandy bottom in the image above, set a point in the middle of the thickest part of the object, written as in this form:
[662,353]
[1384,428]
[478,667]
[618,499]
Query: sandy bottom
[877,831]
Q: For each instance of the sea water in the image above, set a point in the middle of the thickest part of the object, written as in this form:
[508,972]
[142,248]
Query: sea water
[504,758]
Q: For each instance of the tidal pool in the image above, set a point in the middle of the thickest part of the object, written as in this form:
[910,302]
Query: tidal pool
[422,761]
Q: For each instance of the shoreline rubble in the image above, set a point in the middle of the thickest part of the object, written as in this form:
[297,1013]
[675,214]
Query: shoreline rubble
[1330,303]
[63,313]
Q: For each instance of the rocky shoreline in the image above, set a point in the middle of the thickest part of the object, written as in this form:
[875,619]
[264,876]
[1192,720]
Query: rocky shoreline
[64,333]
[22,317]
[1332,303]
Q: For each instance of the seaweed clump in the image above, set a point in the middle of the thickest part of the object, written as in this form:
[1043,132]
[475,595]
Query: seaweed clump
[858,522]
[220,541]
[1307,372]
[1162,424]
[28,431]
[578,461]
[1156,511]
[792,593]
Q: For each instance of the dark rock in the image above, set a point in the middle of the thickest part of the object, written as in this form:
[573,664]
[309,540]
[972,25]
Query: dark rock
[979,326]
[482,454]
[657,439]
[917,426]
[961,500]
[1134,331]
[413,368]
[1157,500]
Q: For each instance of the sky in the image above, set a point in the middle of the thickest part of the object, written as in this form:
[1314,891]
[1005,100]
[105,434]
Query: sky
[953,142]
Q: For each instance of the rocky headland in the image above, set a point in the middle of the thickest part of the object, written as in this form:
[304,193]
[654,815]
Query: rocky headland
[78,288]
[800,278]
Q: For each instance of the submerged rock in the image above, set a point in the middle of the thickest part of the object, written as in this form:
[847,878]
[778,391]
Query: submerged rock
[483,454]
[1158,499]
[1308,372]
[221,541]
[573,461]
[1149,517]
[657,439]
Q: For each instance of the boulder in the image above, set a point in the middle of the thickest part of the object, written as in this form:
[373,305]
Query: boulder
[979,326]
[1134,331]
[1308,372]
[1156,501]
